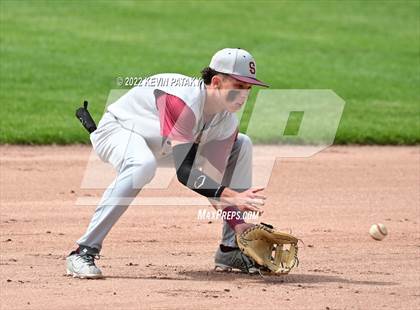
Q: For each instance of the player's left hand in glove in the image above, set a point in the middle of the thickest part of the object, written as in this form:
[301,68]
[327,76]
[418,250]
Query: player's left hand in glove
[272,250]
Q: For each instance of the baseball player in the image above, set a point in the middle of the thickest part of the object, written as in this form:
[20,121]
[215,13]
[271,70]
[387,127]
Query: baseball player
[194,122]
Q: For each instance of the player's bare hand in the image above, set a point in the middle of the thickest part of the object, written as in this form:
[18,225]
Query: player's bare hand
[249,200]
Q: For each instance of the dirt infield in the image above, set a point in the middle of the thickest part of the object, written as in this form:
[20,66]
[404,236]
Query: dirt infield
[162,257]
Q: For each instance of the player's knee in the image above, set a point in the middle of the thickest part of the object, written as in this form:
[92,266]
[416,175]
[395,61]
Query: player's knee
[143,172]
[148,170]
[245,141]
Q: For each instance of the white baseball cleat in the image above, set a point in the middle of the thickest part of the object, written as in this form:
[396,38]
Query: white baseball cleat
[82,265]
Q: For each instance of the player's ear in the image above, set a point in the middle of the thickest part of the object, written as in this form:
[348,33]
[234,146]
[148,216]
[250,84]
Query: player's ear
[216,81]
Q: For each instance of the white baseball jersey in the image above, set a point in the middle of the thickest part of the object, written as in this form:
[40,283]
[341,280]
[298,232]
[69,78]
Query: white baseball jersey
[139,110]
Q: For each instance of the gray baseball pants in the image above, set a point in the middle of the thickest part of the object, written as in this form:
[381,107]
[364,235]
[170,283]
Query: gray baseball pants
[136,164]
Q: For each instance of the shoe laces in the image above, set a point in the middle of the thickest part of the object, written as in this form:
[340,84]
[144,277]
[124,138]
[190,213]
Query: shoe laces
[242,261]
[89,258]
[245,262]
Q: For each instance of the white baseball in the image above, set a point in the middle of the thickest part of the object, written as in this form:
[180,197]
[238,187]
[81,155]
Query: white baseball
[378,231]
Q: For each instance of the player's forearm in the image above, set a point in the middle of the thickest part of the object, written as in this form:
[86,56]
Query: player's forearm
[199,182]
[188,175]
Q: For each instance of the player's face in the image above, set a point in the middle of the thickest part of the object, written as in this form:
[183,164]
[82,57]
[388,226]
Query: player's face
[234,93]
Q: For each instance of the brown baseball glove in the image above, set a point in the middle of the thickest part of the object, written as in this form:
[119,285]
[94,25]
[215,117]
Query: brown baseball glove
[272,250]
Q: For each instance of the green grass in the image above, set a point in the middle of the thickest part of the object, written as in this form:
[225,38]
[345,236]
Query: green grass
[55,54]
[293,123]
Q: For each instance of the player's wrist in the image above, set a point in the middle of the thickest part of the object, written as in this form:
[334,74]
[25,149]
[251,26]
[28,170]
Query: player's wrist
[228,193]
[219,191]
[241,227]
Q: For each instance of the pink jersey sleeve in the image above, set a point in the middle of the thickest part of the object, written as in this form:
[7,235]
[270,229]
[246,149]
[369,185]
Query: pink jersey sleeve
[177,120]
